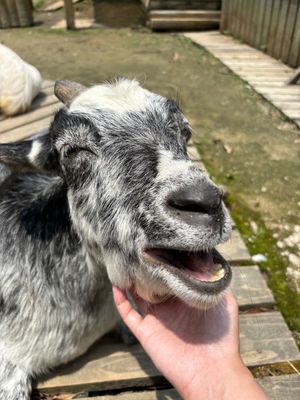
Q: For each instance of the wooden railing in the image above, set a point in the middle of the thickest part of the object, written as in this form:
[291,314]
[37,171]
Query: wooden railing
[272,26]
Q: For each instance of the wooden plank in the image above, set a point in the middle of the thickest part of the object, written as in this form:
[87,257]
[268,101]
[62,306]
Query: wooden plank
[289,105]
[183,23]
[46,84]
[4,15]
[43,100]
[231,16]
[294,56]
[266,25]
[224,15]
[280,28]
[25,131]
[170,394]
[288,34]
[249,30]
[234,250]
[234,17]
[273,26]
[250,288]
[260,22]
[255,19]
[21,120]
[290,90]
[182,4]
[265,339]
[173,14]
[282,97]
[240,17]
[245,19]
[293,114]
[284,387]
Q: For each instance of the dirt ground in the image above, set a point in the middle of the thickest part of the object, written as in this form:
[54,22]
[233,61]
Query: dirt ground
[246,144]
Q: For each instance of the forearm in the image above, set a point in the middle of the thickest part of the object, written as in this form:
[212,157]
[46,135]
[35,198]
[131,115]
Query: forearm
[228,383]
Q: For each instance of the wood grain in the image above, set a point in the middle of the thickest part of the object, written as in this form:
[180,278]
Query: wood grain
[265,339]
[20,121]
[250,288]
[267,76]
[284,387]
[234,250]
[26,130]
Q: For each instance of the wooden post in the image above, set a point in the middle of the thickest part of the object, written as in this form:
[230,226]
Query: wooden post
[24,11]
[70,15]
[4,16]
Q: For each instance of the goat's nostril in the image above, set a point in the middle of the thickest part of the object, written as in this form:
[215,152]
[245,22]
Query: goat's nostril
[204,198]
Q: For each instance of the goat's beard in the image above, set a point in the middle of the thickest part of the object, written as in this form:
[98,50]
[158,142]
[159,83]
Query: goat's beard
[152,292]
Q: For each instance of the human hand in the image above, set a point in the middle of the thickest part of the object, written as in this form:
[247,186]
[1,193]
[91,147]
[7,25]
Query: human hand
[196,350]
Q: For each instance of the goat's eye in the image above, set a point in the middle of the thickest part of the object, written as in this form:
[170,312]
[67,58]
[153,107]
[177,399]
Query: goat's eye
[187,133]
[69,150]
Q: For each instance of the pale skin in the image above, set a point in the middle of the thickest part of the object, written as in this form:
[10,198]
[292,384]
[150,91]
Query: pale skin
[197,351]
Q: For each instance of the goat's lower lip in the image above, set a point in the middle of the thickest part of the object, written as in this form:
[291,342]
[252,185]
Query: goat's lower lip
[205,269]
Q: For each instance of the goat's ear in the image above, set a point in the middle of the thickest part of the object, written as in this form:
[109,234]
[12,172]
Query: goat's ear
[33,155]
[66,91]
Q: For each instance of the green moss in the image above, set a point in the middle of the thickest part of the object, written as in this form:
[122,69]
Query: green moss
[263,242]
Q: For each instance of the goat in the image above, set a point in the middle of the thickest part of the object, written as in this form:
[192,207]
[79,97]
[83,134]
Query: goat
[109,195]
[20,82]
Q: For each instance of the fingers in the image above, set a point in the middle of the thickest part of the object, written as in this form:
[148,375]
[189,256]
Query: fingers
[131,317]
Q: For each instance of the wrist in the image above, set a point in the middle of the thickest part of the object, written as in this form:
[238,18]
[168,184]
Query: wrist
[225,381]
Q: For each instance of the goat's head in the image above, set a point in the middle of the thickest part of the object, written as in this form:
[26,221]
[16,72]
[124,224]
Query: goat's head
[136,200]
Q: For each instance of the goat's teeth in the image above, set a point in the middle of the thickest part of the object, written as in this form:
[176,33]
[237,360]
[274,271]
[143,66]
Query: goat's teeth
[218,273]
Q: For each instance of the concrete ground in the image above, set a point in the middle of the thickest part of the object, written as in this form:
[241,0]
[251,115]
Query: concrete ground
[246,144]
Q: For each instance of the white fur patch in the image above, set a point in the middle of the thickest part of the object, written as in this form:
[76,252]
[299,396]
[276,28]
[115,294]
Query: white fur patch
[168,167]
[34,152]
[122,96]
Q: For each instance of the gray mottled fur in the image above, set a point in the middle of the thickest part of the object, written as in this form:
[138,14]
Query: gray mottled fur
[77,206]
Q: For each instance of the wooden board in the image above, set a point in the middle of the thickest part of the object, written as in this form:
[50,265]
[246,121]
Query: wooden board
[170,394]
[265,339]
[183,23]
[266,75]
[250,288]
[26,131]
[21,120]
[36,120]
[182,4]
[284,387]
[269,25]
[234,250]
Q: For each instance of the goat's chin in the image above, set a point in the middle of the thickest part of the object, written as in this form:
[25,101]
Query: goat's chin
[155,293]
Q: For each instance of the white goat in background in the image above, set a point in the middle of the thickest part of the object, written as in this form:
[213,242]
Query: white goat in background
[20,82]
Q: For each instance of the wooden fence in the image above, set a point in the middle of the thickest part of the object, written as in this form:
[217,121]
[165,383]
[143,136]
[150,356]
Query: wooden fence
[14,13]
[272,26]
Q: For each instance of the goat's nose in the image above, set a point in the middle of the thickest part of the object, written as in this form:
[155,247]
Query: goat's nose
[203,198]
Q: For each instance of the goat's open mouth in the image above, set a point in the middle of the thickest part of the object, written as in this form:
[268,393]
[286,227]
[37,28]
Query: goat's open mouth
[203,269]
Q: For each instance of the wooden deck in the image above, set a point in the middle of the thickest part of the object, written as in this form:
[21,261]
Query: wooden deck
[266,75]
[111,370]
